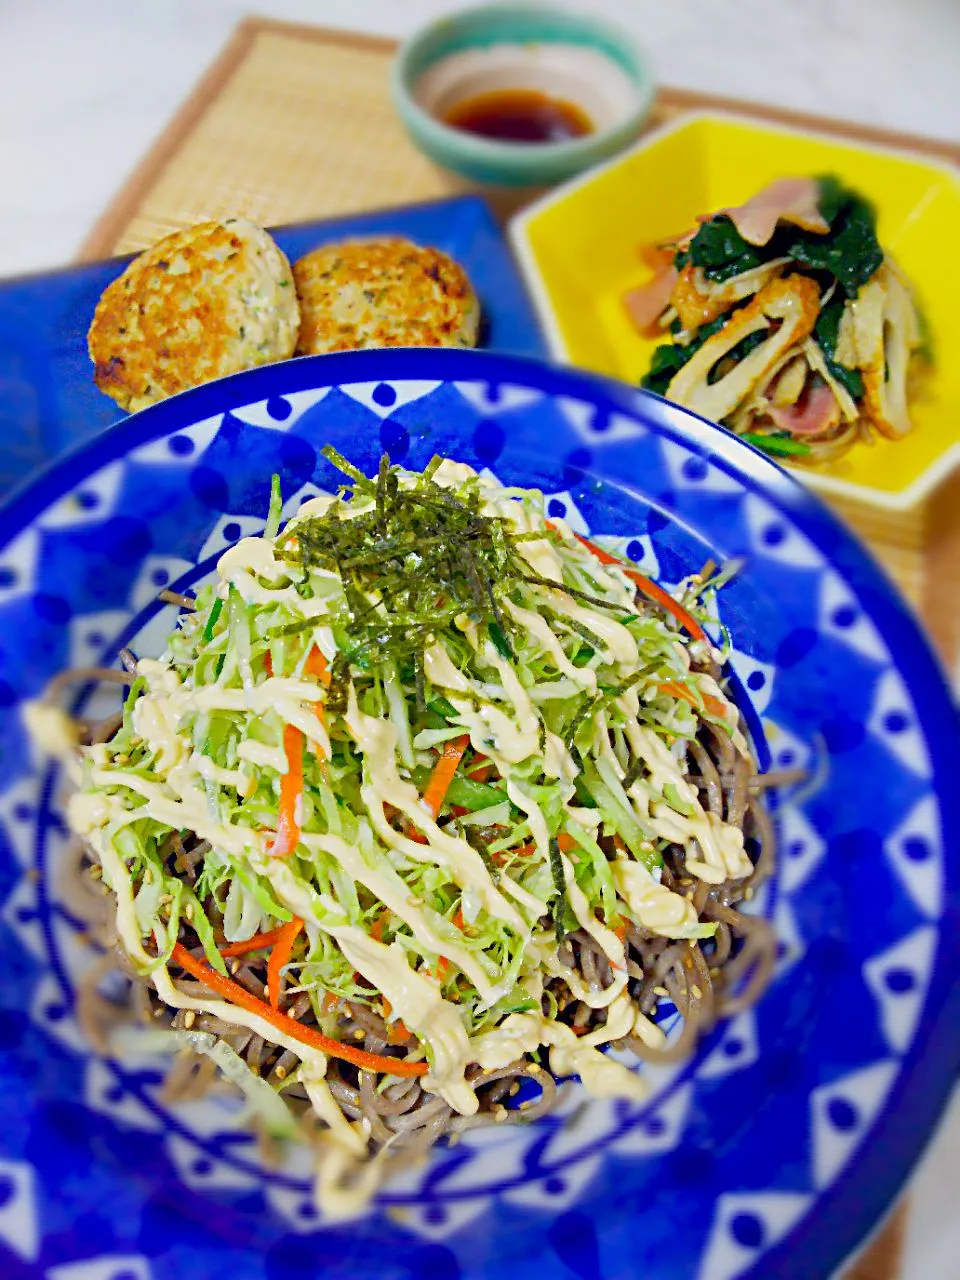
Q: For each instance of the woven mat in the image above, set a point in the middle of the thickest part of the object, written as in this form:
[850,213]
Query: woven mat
[293,123]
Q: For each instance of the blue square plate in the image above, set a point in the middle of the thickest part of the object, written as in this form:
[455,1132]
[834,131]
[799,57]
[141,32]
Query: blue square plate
[49,402]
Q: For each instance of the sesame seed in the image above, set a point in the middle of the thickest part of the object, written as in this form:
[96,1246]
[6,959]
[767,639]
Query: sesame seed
[281,1073]
[189,1018]
[660,991]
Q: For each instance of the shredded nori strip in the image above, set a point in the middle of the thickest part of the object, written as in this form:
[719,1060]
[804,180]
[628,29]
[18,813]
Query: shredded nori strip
[559,903]
[572,591]
[419,683]
[492,869]
[417,559]
[637,765]
[587,710]
[339,687]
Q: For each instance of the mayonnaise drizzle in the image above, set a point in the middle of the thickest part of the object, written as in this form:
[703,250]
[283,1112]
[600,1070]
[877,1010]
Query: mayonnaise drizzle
[376,740]
[386,885]
[502,718]
[724,855]
[603,1077]
[535,624]
[652,905]
[604,937]
[416,999]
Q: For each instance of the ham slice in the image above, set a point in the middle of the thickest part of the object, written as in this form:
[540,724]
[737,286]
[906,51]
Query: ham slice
[647,304]
[793,200]
[814,412]
[656,256]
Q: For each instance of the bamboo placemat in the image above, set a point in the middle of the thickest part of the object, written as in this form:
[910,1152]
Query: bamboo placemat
[294,123]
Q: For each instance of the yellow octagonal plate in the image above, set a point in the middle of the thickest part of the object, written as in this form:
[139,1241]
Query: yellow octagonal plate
[578,247]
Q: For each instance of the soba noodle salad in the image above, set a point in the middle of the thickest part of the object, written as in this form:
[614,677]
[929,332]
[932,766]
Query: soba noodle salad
[428,803]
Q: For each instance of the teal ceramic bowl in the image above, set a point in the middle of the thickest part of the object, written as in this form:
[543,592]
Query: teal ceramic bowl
[569,56]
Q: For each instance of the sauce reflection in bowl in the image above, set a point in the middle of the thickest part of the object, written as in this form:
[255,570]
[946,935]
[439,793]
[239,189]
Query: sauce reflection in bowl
[521,95]
[520,115]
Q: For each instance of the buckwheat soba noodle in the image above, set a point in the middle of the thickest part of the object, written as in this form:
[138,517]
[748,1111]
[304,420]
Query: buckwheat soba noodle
[427,803]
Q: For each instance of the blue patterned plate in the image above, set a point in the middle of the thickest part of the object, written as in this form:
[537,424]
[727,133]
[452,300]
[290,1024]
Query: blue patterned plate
[777,1149]
[49,402]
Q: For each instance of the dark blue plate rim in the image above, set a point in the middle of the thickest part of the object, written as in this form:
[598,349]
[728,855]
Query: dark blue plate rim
[849,1210]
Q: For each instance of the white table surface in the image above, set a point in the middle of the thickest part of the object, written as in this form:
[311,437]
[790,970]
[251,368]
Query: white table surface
[86,87]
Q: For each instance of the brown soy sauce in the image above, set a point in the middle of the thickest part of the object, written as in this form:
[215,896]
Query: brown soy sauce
[520,115]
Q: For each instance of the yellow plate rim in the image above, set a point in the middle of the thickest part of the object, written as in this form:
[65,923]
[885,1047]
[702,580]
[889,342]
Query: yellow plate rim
[518,235]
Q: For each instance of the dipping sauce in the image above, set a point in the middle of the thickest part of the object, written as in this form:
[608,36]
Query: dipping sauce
[520,115]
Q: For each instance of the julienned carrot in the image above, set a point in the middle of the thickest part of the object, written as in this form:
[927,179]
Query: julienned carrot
[649,588]
[679,690]
[443,771]
[525,850]
[439,781]
[316,666]
[235,994]
[396,1031]
[291,792]
[279,956]
[259,942]
[291,784]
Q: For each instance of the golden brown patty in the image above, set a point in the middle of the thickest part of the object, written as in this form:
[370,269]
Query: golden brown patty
[383,293]
[202,303]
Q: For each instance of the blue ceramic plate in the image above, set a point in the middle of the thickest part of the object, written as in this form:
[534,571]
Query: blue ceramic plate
[772,1154]
[49,402]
